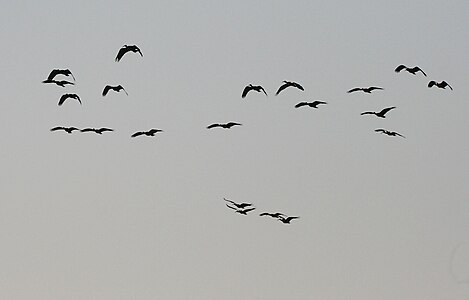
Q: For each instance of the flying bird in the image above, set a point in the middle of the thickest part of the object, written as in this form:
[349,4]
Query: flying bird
[410,70]
[238,205]
[150,132]
[380,114]
[66,129]
[67,96]
[240,210]
[441,85]
[288,84]
[313,104]
[286,220]
[97,130]
[366,90]
[56,72]
[226,126]
[116,88]
[390,133]
[251,87]
[61,83]
[125,49]
[273,215]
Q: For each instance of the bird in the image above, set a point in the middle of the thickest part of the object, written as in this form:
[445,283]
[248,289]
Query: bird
[150,132]
[380,114]
[286,220]
[226,126]
[441,85]
[390,133]
[251,87]
[366,90]
[238,205]
[288,84]
[410,70]
[116,88]
[61,83]
[241,211]
[313,104]
[67,96]
[66,129]
[97,130]
[273,215]
[126,49]
[56,72]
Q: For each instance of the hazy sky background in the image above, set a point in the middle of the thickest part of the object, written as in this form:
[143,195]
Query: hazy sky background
[85,216]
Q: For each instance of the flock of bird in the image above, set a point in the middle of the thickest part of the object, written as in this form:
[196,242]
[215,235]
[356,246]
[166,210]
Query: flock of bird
[241,208]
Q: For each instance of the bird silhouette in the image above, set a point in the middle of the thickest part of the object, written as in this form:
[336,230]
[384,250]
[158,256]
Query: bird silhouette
[286,220]
[380,114]
[97,130]
[125,49]
[366,90]
[66,129]
[69,96]
[150,132]
[390,133]
[238,205]
[441,85]
[116,88]
[251,87]
[273,215]
[241,211]
[226,126]
[56,72]
[410,70]
[288,84]
[313,104]
[61,83]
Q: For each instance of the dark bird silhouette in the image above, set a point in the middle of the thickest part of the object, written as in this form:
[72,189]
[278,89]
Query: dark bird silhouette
[116,88]
[313,104]
[251,87]
[241,211]
[441,85]
[288,84]
[366,90]
[69,96]
[125,49]
[380,114]
[286,220]
[150,132]
[226,126]
[390,133]
[410,70]
[97,130]
[56,72]
[66,129]
[61,83]
[238,205]
[273,215]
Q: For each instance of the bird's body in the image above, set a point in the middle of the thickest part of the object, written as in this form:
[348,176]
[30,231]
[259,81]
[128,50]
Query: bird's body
[55,72]
[66,129]
[150,132]
[242,211]
[313,104]
[225,126]
[390,133]
[413,70]
[61,83]
[273,215]
[288,84]
[69,96]
[125,49]
[380,114]
[97,130]
[251,87]
[367,90]
[441,85]
[286,220]
[238,205]
[115,88]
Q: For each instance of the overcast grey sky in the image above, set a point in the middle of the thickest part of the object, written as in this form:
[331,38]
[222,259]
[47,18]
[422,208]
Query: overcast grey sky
[85,216]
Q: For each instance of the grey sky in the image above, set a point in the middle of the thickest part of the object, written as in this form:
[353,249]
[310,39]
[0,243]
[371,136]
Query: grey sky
[84,216]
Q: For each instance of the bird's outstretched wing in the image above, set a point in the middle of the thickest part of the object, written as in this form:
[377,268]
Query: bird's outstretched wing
[234,208]
[57,128]
[418,69]
[153,131]
[88,130]
[385,110]
[431,83]
[63,98]
[120,87]
[354,90]
[400,68]
[368,113]
[121,52]
[444,83]
[301,104]
[317,102]
[106,90]
[380,130]
[213,126]
[371,88]
[297,85]
[246,91]
[231,124]
[103,129]
[281,88]
[138,133]
[248,209]
[262,89]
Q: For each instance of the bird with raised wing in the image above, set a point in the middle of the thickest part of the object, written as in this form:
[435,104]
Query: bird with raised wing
[380,114]
[125,49]
[413,70]
[441,85]
[150,132]
[313,104]
[55,72]
[367,90]
[238,205]
[69,96]
[273,215]
[61,83]
[97,130]
[288,84]
[286,220]
[251,87]
[66,129]
[225,126]
[115,88]
[240,210]
[390,133]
